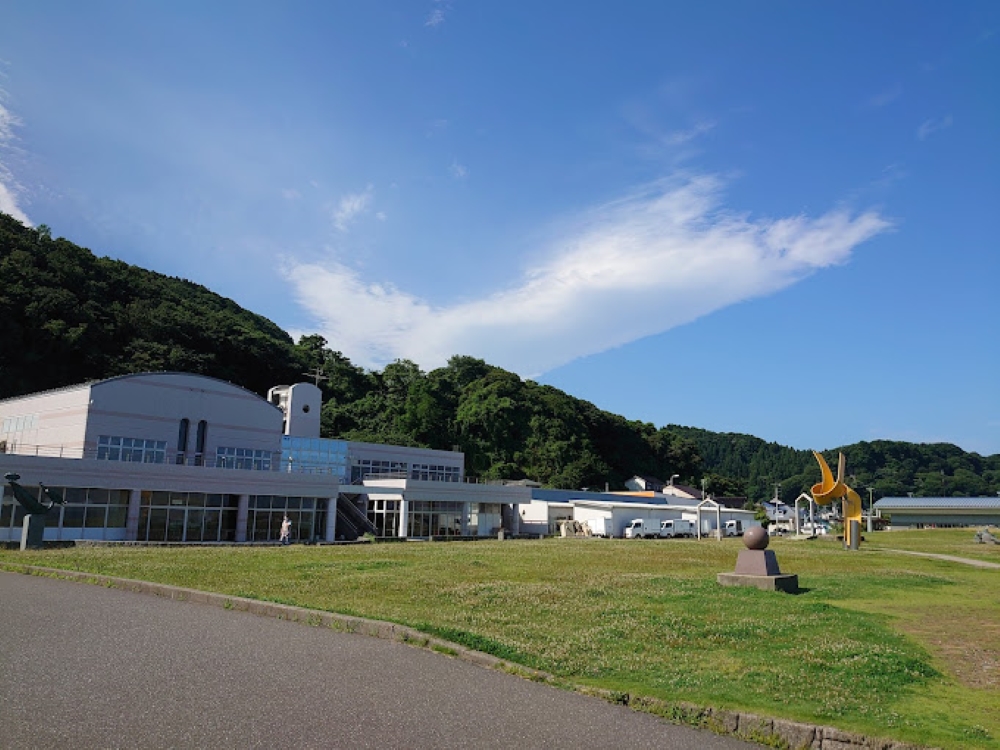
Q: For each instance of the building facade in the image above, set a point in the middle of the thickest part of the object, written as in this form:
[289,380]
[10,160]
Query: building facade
[921,512]
[176,457]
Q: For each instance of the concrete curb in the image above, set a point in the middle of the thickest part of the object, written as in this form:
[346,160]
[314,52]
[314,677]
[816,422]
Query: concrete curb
[777,733]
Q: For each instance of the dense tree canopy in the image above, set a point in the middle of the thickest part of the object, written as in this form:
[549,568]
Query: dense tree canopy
[67,316]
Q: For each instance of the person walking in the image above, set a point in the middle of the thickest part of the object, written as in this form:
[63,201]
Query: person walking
[286,531]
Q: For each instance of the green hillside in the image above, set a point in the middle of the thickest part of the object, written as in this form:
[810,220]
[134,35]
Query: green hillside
[67,316]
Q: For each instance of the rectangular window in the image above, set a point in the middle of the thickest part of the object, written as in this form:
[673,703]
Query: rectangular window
[117,448]
[243,458]
[96,516]
[117,516]
[73,516]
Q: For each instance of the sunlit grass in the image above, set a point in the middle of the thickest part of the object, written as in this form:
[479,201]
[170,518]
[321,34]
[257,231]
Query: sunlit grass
[878,642]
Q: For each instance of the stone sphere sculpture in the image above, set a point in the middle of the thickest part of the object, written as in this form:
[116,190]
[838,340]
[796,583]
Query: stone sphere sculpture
[756,537]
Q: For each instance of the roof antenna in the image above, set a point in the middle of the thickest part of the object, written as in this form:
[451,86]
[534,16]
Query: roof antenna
[317,375]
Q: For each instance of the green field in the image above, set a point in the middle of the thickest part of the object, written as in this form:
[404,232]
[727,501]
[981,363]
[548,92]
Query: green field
[878,642]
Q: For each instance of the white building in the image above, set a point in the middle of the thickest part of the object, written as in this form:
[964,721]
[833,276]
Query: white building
[186,458]
[608,513]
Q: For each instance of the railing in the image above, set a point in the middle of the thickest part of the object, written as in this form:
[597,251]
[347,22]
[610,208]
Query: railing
[276,464]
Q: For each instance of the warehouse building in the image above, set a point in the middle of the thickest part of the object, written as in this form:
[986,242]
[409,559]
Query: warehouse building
[921,512]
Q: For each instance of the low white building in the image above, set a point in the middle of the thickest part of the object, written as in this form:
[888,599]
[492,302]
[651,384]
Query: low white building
[608,513]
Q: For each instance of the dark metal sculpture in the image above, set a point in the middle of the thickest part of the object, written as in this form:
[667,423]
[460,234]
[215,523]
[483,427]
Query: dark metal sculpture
[31,504]
[35,510]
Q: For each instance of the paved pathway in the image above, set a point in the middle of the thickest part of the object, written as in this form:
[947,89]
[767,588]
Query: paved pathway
[950,558]
[91,667]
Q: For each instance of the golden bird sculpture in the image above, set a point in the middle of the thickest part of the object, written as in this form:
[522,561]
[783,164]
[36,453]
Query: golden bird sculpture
[830,489]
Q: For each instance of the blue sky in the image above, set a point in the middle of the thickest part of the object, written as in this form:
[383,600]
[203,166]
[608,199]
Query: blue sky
[776,218]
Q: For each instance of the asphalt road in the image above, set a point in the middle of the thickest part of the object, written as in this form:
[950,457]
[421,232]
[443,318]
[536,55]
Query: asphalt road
[90,667]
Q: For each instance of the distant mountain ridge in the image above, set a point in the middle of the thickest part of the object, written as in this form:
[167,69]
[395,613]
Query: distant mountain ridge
[67,316]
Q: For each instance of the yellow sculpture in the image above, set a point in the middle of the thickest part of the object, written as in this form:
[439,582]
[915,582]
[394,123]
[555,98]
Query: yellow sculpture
[829,490]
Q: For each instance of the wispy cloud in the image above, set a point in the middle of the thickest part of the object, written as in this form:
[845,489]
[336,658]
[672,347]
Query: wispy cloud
[654,260]
[929,127]
[350,207]
[886,97]
[680,137]
[437,15]
[458,171]
[9,188]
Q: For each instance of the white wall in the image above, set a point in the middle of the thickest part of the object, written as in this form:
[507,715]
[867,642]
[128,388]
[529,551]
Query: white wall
[59,417]
[301,405]
[151,405]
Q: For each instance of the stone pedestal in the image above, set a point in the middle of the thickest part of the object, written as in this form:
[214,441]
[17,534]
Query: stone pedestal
[758,567]
[789,584]
[33,532]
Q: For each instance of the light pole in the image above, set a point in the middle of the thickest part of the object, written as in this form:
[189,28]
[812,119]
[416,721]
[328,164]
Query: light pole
[673,477]
[871,509]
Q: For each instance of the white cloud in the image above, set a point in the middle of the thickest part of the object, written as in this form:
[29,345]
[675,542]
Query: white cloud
[436,16]
[458,171]
[647,263]
[680,137]
[884,98]
[350,207]
[929,127]
[9,189]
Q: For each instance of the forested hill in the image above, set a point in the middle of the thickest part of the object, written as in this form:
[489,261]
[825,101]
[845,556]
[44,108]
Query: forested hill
[67,316]
[890,468]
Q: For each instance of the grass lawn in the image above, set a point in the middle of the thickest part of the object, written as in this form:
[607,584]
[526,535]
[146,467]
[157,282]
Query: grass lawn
[886,644]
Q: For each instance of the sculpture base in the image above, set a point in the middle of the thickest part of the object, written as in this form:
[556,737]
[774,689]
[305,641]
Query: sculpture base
[758,568]
[787,583]
[33,532]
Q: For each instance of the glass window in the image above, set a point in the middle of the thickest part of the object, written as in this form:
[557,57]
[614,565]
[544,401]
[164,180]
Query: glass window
[117,517]
[211,533]
[244,458]
[117,448]
[75,495]
[96,516]
[97,497]
[156,498]
[73,516]
[195,517]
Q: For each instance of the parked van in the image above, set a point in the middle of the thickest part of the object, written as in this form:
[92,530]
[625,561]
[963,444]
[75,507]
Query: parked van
[642,528]
[739,528]
[675,527]
[815,529]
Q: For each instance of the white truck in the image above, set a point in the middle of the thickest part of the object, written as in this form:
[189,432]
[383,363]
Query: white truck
[600,527]
[738,527]
[642,528]
[675,528]
[818,528]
